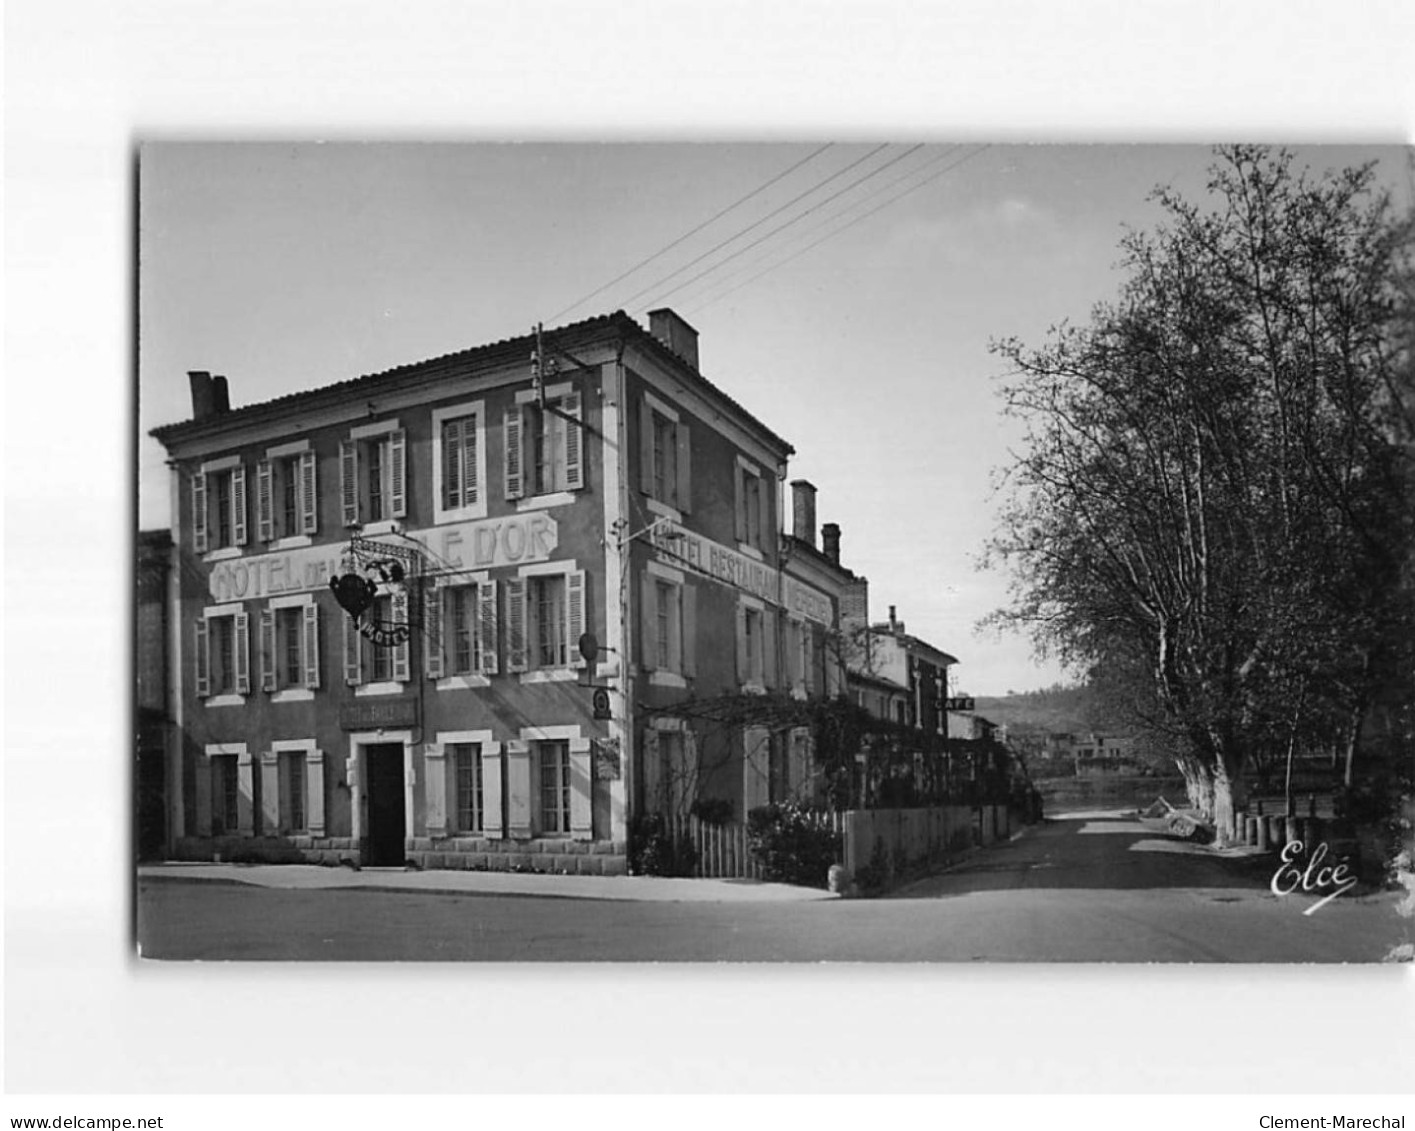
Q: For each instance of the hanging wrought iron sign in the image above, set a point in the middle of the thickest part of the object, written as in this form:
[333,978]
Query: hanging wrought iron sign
[370,570]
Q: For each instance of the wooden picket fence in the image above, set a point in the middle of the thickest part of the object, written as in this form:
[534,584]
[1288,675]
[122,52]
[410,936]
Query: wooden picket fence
[723,852]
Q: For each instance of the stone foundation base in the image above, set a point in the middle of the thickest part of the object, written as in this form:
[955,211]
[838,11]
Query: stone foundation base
[328,850]
[557,856]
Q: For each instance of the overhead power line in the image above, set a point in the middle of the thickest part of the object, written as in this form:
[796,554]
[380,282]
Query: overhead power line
[755,224]
[800,237]
[843,227]
[692,232]
[793,220]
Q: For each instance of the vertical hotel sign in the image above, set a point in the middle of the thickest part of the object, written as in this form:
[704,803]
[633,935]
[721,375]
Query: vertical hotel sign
[711,559]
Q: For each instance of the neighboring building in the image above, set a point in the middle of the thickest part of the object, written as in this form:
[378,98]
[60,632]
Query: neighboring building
[1100,754]
[900,677]
[153,568]
[606,490]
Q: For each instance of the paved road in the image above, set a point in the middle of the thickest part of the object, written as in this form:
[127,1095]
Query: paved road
[1085,889]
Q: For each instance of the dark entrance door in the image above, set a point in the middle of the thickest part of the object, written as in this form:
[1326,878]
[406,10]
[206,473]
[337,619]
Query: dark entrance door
[386,823]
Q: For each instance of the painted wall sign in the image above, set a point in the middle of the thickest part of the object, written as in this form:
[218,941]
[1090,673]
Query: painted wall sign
[484,544]
[373,714]
[682,547]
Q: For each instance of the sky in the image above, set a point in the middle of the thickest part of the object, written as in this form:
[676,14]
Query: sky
[844,292]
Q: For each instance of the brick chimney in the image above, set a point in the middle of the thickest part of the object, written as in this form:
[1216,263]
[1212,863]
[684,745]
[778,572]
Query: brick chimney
[220,395]
[203,395]
[830,541]
[677,335]
[803,511]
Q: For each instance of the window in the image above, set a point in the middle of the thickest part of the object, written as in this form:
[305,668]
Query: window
[545,619]
[753,640]
[374,474]
[289,649]
[219,505]
[467,768]
[225,792]
[554,762]
[222,653]
[665,601]
[461,637]
[465,642]
[366,662]
[669,626]
[381,658]
[296,817]
[664,454]
[544,445]
[753,513]
[778,769]
[460,484]
[286,495]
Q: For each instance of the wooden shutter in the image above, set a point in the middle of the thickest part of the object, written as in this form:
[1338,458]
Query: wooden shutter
[575,618]
[684,502]
[312,645]
[581,790]
[648,623]
[645,447]
[434,631]
[690,630]
[574,443]
[515,453]
[491,776]
[353,653]
[238,505]
[516,625]
[398,472]
[401,666]
[268,659]
[471,484]
[203,658]
[309,494]
[243,653]
[264,502]
[744,661]
[756,754]
[766,501]
[349,480]
[769,622]
[486,628]
[199,542]
[739,511]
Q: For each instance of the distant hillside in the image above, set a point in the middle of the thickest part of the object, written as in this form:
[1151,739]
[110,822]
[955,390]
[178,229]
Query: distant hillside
[1059,709]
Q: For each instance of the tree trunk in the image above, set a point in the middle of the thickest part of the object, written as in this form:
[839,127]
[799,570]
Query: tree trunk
[1230,793]
[1198,784]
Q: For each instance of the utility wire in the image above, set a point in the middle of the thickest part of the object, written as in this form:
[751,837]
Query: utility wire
[826,222]
[755,224]
[663,250]
[794,220]
[851,224]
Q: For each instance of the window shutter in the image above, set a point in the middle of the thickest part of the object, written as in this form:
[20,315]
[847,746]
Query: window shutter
[471,485]
[645,447]
[243,653]
[690,630]
[401,667]
[744,661]
[766,535]
[398,462]
[755,755]
[199,512]
[575,620]
[739,513]
[581,787]
[238,504]
[648,623]
[353,653]
[574,444]
[491,763]
[309,494]
[651,772]
[516,625]
[769,621]
[267,649]
[515,455]
[203,658]
[264,504]
[434,631]
[451,464]
[349,480]
[486,628]
[312,645]
[684,501]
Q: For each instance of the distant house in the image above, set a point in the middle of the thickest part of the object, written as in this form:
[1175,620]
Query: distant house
[1100,754]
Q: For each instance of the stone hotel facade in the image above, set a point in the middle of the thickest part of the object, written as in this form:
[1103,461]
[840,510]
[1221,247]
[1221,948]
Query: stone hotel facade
[503,504]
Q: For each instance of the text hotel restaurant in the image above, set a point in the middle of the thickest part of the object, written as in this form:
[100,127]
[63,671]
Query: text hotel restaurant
[606,489]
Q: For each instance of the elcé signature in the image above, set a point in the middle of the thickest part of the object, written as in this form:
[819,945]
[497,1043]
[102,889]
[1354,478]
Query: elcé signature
[1314,878]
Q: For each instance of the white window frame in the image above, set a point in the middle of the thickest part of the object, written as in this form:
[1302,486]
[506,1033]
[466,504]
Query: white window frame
[313,785]
[240,524]
[361,436]
[302,692]
[745,469]
[370,688]
[753,680]
[469,680]
[277,457]
[245,789]
[441,788]
[527,499]
[680,646]
[524,773]
[234,611]
[440,416]
[533,672]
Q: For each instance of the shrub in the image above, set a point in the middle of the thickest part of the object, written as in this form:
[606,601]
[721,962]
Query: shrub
[790,846]
[653,851]
[713,811]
